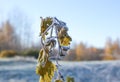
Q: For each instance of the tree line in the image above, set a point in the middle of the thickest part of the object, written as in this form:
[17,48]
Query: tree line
[10,40]
[111,51]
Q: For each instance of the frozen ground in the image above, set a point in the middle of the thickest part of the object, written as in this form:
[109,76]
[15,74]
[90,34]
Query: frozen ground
[23,70]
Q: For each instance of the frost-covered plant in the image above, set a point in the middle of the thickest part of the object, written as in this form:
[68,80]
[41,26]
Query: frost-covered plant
[53,32]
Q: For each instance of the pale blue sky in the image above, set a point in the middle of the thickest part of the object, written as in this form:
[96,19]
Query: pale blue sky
[90,21]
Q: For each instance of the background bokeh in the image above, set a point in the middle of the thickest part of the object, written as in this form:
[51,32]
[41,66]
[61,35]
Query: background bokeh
[94,26]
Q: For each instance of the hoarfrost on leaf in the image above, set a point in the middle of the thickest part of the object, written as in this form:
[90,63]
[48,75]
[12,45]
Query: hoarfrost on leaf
[45,68]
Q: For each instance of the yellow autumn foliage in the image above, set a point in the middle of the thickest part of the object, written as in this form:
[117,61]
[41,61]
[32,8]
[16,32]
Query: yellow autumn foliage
[65,41]
[108,57]
[45,67]
[58,81]
[70,79]
[63,37]
[45,23]
[46,72]
[42,56]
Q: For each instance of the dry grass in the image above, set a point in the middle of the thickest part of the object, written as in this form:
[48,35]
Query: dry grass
[7,53]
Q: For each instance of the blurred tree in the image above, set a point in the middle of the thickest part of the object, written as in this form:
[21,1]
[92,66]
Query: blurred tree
[22,26]
[108,50]
[80,50]
[71,55]
[116,46]
[8,38]
[116,49]
[108,47]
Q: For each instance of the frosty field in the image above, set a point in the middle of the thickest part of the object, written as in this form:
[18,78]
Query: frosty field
[23,70]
